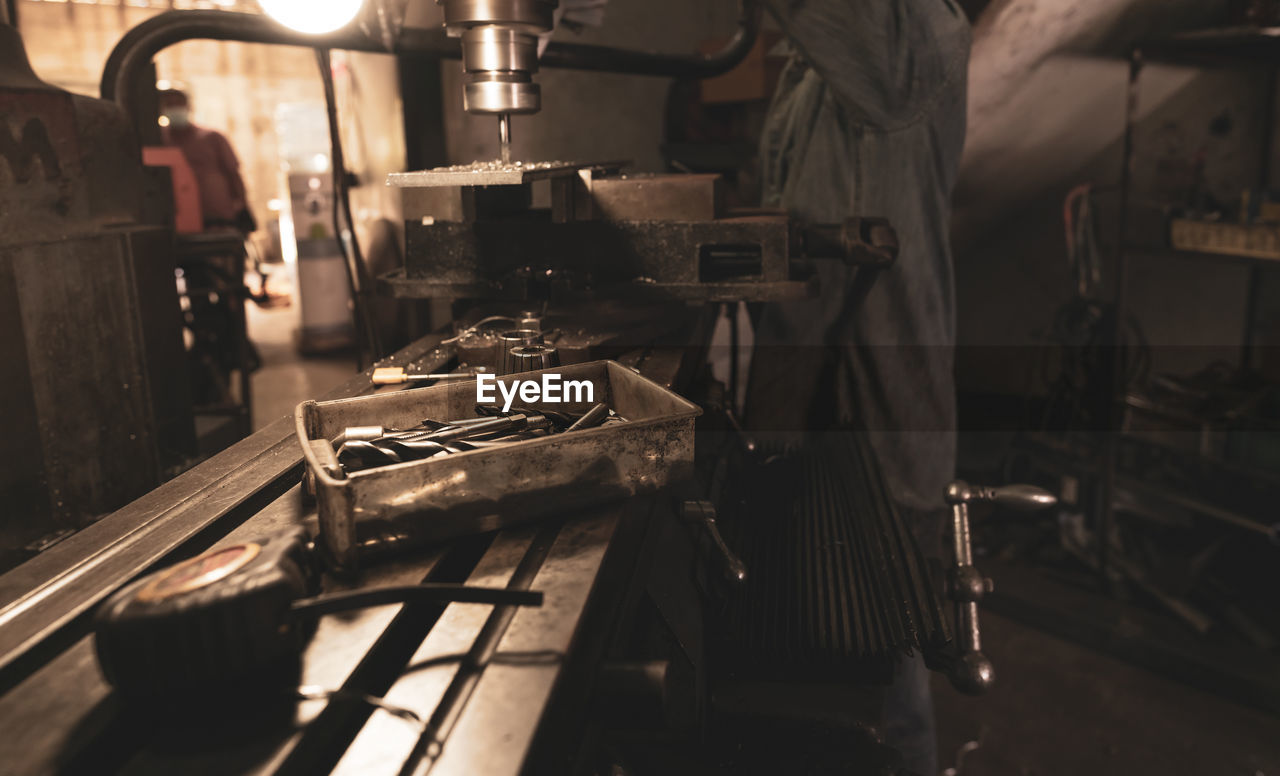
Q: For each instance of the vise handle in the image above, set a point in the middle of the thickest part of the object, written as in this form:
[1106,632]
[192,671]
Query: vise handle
[858,242]
[702,515]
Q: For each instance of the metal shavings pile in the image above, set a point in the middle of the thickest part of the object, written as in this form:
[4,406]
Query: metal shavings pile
[497,165]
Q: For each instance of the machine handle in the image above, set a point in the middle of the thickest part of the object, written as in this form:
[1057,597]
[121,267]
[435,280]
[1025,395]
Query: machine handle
[703,514]
[1025,498]
[968,668]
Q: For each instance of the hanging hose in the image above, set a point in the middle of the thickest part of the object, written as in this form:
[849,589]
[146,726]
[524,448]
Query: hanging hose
[358,280]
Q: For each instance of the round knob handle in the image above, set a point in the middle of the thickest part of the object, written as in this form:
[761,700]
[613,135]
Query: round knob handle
[972,674]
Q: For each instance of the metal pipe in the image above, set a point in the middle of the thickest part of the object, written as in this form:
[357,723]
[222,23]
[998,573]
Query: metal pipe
[1119,361]
[131,56]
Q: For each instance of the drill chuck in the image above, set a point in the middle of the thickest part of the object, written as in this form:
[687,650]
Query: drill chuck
[500,51]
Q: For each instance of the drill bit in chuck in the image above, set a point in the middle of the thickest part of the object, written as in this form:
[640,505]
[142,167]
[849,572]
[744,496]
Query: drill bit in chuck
[504,136]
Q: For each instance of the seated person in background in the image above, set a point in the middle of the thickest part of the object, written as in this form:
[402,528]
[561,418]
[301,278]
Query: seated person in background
[217,170]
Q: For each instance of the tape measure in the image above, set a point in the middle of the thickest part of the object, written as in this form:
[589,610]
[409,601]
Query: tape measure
[211,622]
[235,620]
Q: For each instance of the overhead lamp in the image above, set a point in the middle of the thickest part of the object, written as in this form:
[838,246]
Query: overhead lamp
[314,17]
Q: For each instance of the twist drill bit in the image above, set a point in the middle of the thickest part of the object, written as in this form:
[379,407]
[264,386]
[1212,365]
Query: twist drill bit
[504,136]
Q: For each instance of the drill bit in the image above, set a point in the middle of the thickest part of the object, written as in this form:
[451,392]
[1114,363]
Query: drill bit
[504,136]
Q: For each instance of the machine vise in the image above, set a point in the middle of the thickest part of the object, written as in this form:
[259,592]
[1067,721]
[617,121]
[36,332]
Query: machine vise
[493,230]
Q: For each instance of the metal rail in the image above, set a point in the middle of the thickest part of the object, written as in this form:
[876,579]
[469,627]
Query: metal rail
[54,591]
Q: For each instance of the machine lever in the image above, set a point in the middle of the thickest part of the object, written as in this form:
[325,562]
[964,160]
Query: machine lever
[969,670]
[703,514]
[1026,498]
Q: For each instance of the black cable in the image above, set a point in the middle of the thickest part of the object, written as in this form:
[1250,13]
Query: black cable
[424,593]
[310,693]
[358,280]
[731,310]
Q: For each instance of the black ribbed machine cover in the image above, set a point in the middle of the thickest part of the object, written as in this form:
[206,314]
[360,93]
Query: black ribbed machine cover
[837,587]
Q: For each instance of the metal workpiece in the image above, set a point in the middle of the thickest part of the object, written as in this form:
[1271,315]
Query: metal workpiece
[968,668]
[495,173]
[581,191]
[488,488]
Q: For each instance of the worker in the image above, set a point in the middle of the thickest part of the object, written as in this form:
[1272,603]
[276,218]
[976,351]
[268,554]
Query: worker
[223,201]
[215,319]
[869,120]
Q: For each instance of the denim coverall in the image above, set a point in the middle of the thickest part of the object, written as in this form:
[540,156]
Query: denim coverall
[869,120]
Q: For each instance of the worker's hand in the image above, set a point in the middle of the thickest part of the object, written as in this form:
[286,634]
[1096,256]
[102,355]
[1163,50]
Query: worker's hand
[580,13]
[245,221]
[575,14]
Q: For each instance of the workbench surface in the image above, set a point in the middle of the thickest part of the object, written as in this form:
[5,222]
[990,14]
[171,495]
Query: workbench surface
[58,713]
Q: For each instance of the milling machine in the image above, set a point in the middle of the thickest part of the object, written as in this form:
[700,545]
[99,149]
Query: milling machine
[607,266]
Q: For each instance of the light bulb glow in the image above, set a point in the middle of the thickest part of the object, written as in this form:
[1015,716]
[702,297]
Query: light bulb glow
[313,16]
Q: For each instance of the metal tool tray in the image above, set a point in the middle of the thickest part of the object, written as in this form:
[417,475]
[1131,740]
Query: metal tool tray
[481,490]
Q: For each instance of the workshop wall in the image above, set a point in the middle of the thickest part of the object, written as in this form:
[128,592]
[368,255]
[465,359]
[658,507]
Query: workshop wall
[1013,275]
[1049,116]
